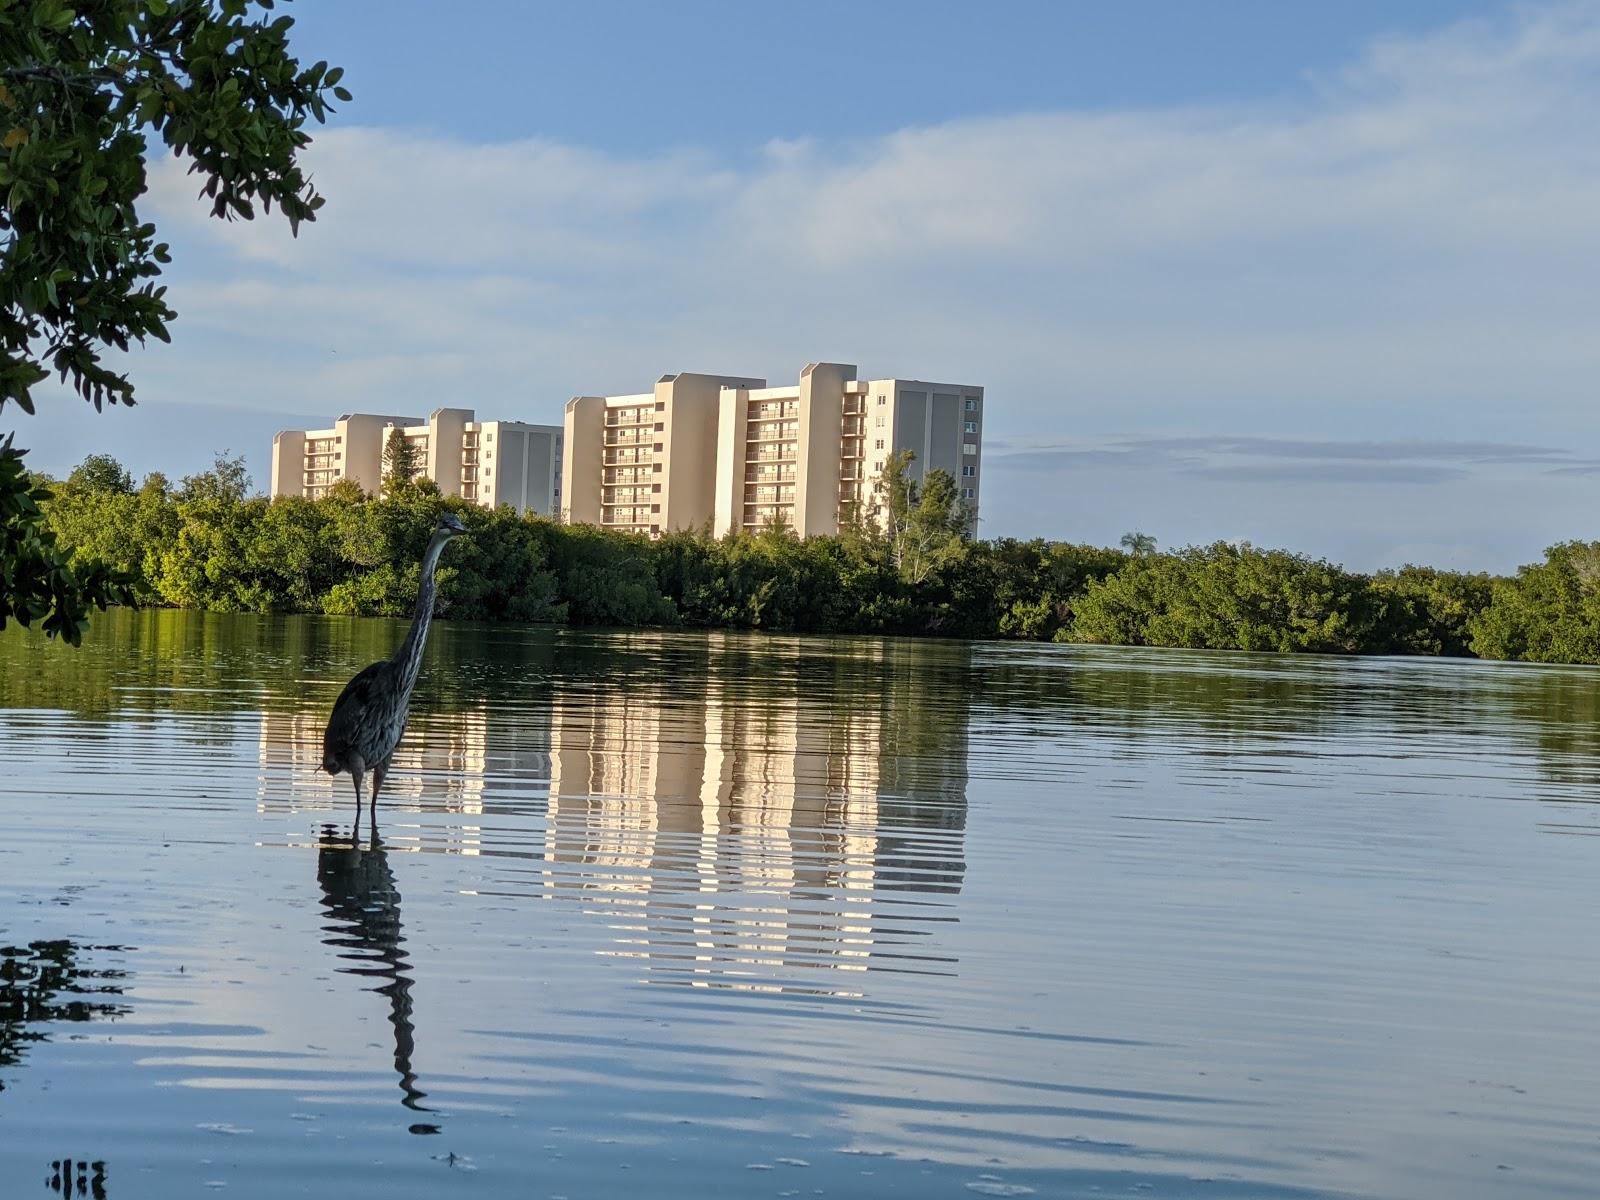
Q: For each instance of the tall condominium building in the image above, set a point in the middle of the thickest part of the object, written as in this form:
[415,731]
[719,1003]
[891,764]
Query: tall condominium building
[645,463]
[809,454]
[486,462]
[741,455]
[307,462]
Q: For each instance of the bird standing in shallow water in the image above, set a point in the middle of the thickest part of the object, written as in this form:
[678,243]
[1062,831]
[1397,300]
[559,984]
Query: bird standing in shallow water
[369,716]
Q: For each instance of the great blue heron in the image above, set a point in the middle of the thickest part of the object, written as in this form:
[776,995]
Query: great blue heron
[369,716]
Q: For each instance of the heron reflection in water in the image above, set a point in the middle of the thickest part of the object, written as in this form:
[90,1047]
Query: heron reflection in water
[360,898]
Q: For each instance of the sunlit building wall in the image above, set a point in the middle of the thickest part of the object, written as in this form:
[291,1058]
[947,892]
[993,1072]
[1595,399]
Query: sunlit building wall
[485,462]
[644,463]
[807,456]
[307,462]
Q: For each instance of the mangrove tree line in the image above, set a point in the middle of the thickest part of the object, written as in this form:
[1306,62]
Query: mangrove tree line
[207,543]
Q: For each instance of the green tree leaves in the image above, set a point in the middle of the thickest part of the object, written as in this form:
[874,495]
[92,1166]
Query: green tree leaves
[208,545]
[401,462]
[84,88]
[924,521]
[1550,612]
[37,581]
[1228,597]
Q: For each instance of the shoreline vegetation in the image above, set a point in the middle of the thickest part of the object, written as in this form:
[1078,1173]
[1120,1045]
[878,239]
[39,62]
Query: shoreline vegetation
[208,544]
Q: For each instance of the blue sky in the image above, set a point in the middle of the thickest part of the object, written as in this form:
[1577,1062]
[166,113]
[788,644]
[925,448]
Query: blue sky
[1318,276]
[631,76]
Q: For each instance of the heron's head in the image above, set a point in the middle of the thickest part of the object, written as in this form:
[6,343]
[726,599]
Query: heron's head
[450,525]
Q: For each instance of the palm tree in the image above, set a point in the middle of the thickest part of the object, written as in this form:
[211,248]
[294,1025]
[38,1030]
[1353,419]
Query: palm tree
[1138,543]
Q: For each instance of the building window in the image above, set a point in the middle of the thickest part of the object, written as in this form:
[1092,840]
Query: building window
[878,444]
[967,493]
[659,426]
[655,487]
[972,404]
[657,447]
[972,427]
[655,508]
[883,400]
[880,420]
[661,407]
[969,448]
[969,470]
[656,467]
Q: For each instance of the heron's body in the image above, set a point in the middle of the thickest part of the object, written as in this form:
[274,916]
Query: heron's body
[369,717]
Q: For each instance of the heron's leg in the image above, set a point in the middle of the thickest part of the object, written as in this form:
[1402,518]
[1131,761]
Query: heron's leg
[378,773]
[358,775]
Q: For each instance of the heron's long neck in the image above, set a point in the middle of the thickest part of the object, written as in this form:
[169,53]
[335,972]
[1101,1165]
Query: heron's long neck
[409,656]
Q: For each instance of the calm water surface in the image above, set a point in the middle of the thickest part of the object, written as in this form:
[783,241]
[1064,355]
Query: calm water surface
[690,915]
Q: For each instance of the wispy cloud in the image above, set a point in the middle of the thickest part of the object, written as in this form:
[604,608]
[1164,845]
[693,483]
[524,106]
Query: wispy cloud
[1278,461]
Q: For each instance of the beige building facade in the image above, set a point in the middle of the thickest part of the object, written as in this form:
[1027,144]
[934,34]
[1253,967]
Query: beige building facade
[808,455]
[739,455]
[645,463]
[485,462]
[307,462]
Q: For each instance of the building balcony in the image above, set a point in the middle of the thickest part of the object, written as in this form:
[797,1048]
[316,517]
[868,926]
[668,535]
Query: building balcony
[756,515]
[769,493]
[774,432]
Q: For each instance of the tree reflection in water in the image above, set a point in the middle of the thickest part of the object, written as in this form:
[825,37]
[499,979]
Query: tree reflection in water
[360,898]
[44,981]
[69,1178]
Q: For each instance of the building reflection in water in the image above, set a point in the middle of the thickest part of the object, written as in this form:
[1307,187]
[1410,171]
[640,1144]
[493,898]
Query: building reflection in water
[794,809]
[441,760]
[441,765]
[743,811]
[360,899]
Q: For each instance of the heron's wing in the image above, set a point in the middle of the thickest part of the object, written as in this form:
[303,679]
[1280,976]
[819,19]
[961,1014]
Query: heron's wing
[351,710]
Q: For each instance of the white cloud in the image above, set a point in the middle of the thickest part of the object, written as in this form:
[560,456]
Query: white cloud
[1406,250]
